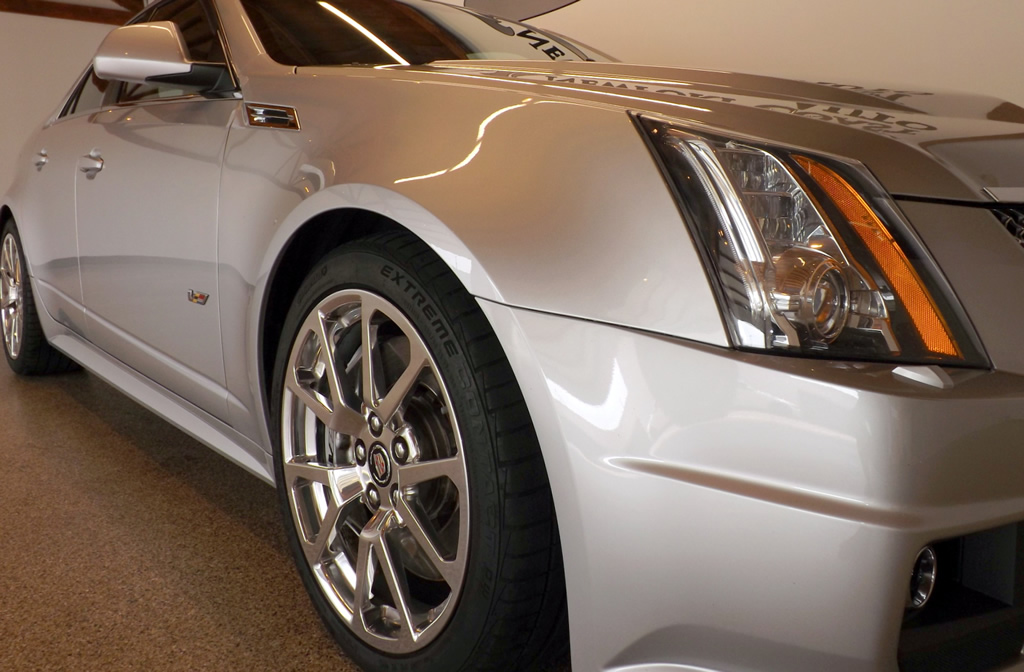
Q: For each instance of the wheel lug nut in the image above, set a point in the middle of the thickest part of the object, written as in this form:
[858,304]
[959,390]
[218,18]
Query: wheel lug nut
[373,497]
[400,449]
[376,425]
[360,452]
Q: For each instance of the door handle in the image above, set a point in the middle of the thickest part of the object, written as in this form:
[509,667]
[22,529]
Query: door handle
[42,158]
[91,163]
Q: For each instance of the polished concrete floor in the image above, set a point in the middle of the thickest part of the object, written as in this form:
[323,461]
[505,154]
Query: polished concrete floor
[125,545]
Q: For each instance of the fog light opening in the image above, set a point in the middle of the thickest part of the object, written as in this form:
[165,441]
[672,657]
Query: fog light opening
[922,579]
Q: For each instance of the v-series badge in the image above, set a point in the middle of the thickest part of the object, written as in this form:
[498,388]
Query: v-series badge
[198,297]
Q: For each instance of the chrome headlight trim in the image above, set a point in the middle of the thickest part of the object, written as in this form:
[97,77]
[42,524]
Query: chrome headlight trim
[807,253]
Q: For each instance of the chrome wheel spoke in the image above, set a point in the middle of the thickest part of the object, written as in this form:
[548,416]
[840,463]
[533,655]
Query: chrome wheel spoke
[386,402]
[397,585]
[331,372]
[8,261]
[340,419]
[421,472]
[341,487]
[16,333]
[322,412]
[450,570]
[314,473]
[419,360]
[373,546]
[364,568]
[371,355]
[314,548]
[331,410]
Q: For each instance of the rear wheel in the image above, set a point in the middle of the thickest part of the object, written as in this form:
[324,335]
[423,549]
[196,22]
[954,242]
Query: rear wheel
[25,345]
[408,471]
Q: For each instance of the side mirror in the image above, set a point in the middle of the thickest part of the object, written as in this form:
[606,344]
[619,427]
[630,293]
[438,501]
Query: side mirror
[155,53]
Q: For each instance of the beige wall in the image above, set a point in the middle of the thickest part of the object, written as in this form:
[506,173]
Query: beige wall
[39,60]
[937,45]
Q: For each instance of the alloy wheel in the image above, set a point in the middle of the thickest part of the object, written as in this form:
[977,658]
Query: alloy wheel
[374,471]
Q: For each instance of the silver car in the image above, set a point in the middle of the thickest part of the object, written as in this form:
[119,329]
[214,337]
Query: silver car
[696,371]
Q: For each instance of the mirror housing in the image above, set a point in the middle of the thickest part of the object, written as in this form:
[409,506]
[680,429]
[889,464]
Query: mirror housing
[155,53]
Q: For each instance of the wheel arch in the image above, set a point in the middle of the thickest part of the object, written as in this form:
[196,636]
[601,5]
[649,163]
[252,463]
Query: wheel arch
[328,220]
[312,241]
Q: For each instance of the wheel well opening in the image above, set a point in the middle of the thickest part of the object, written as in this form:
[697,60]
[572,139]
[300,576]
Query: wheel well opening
[5,215]
[310,243]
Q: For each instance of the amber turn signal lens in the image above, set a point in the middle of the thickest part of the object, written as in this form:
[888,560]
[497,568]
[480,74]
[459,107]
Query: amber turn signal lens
[904,280]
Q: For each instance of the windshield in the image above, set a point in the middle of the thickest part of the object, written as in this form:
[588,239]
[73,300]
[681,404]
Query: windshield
[397,32]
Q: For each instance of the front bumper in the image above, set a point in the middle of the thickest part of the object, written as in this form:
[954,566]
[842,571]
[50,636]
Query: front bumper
[730,511]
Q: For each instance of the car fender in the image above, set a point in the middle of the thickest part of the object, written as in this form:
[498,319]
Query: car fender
[526,214]
[576,223]
[396,207]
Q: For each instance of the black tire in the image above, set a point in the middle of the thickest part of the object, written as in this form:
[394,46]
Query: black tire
[509,611]
[25,346]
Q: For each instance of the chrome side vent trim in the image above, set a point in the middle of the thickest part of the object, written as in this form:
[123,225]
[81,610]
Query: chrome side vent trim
[272,116]
[1012,217]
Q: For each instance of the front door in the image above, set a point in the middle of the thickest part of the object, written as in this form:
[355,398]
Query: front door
[146,198]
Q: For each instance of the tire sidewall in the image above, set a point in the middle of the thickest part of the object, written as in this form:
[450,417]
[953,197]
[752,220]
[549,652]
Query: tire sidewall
[374,269]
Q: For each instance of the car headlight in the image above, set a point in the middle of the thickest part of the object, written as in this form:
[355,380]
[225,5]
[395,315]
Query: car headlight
[808,254]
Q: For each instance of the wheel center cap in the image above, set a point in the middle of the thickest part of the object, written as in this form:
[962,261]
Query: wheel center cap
[380,465]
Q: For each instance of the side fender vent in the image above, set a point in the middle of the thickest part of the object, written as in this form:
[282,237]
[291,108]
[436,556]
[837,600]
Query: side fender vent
[1012,217]
[272,116]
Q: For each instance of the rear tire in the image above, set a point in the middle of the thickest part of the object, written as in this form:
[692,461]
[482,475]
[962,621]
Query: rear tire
[417,505]
[28,353]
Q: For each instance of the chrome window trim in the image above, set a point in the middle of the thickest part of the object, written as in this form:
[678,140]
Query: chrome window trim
[70,97]
[214,12]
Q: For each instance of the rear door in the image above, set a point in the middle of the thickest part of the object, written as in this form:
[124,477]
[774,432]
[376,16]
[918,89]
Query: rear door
[47,212]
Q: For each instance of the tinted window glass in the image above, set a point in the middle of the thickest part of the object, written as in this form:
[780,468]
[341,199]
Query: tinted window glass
[389,32]
[132,92]
[200,39]
[200,36]
[89,96]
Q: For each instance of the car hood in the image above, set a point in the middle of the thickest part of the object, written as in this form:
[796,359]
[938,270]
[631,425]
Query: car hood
[918,143]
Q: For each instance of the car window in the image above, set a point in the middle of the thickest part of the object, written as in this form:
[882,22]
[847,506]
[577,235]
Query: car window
[201,41]
[196,27]
[389,32]
[89,95]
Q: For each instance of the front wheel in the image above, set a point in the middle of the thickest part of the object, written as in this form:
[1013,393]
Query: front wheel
[409,474]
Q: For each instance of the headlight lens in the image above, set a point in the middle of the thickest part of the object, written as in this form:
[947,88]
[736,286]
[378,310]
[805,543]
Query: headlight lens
[802,258]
